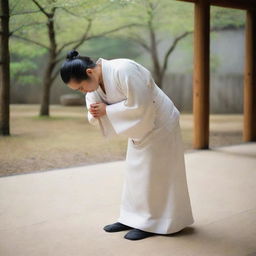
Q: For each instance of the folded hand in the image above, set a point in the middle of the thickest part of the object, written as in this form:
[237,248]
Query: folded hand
[97,109]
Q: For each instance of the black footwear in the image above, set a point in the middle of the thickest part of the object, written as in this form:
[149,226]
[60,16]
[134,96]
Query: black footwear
[136,234]
[115,227]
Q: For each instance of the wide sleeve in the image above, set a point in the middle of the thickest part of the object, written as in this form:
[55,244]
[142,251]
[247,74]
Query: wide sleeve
[89,99]
[134,116]
[102,122]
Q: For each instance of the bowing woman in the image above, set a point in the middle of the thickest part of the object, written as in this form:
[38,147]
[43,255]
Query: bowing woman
[122,98]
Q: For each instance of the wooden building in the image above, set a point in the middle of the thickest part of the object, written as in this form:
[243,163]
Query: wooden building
[202,68]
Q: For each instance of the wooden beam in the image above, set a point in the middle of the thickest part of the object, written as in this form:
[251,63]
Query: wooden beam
[249,132]
[236,4]
[201,75]
[191,1]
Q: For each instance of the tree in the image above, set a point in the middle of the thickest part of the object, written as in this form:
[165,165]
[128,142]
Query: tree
[4,69]
[159,19]
[55,15]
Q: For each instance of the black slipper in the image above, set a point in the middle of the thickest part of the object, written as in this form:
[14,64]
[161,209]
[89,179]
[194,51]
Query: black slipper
[136,234]
[115,227]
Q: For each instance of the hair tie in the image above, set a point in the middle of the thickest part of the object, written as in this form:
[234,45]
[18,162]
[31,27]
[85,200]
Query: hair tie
[73,54]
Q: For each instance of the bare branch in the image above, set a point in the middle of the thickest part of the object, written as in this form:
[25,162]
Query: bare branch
[80,40]
[31,41]
[59,60]
[113,30]
[55,74]
[136,38]
[172,47]
[41,8]
[85,36]
[25,12]
[87,14]
[26,25]
[13,7]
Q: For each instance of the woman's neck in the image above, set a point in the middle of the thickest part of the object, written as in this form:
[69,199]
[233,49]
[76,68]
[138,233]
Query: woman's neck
[101,79]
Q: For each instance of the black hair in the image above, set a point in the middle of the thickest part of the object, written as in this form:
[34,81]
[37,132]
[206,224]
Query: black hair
[75,67]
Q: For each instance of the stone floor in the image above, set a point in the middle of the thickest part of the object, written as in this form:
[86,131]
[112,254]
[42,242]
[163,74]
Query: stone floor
[62,212]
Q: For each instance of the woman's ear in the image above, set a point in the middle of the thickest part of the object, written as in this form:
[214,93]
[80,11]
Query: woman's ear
[89,71]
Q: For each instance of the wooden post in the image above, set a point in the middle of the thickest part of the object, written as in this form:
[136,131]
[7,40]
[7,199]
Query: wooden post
[201,74]
[249,132]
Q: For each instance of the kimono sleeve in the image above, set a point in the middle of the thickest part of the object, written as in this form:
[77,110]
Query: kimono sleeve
[102,122]
[134,116]
[89,99]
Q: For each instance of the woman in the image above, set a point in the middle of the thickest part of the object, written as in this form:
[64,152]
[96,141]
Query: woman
[122,98]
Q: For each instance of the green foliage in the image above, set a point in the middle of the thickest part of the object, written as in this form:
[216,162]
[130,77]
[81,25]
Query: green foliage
[110,47]
[21,67]
[23,62]
[21,72]
[25,49]
[227,18]
[29,79]
[167,18]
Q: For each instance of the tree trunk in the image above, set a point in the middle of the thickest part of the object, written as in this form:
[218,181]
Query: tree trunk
[45,101]
[4,69]
[154,56]
[48,76]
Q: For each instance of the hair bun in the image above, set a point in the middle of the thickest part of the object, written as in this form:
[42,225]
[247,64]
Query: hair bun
[72,54]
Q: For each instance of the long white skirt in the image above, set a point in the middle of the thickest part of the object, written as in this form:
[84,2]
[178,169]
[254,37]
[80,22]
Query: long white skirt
[155,195]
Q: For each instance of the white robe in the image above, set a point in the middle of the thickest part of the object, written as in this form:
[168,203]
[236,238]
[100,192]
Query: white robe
[155,195]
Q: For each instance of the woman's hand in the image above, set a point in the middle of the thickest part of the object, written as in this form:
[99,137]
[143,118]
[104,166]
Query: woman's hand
[97,109]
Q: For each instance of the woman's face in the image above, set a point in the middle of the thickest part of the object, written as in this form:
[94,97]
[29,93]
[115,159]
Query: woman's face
[86,85]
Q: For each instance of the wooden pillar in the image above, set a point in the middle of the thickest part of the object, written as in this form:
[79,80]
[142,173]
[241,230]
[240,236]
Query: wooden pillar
[201,74]
[249,132]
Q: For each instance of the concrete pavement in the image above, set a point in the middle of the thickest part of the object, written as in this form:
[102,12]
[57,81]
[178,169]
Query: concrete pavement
[62,212]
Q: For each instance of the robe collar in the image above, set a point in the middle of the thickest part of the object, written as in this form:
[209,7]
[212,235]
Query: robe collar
[104,69]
